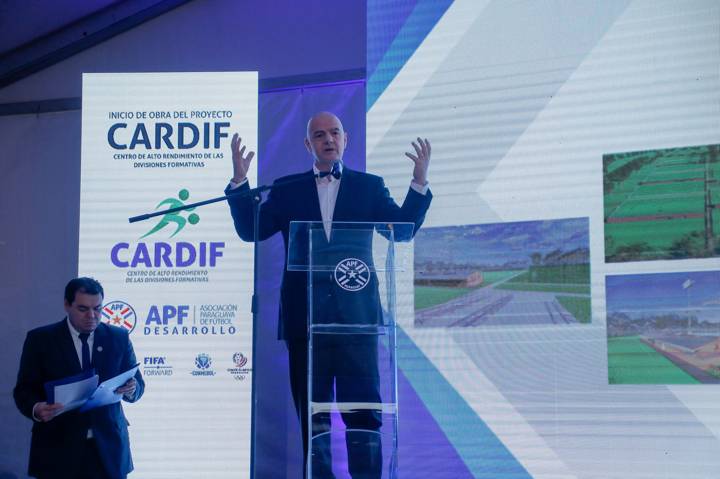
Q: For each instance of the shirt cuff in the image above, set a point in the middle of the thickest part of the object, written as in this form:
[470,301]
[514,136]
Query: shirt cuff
[35,418]
[417,187]
[234,185]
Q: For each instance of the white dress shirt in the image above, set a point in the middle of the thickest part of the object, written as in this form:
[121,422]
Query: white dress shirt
[75,334]
[327,189]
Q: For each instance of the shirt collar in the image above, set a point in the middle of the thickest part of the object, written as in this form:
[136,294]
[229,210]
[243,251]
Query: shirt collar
[74,332]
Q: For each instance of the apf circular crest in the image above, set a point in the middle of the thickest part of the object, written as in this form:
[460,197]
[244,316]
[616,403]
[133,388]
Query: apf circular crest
[352,274]
[120,314]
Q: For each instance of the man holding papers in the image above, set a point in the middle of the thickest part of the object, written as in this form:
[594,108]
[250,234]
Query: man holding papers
[70,443]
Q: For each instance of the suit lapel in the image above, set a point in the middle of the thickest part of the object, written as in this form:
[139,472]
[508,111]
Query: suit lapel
[99,349]
[67,346]
[309,190]
[344,197]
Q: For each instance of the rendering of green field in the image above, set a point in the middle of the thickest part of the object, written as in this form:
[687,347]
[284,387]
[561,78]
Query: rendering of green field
[503,274]
[427,296]
[660,204]
[570,278]
[578,306]
[493,277]
[630,361]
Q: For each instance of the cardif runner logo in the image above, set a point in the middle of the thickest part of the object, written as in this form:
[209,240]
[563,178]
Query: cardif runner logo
[161,254]
[203,361]
[352,274]
[177,217]
[119,313]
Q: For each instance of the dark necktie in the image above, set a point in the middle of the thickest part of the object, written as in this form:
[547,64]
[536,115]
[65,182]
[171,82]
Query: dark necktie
[85,351]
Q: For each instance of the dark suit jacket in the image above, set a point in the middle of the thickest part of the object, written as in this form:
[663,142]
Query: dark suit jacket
[362,198]
[49,354]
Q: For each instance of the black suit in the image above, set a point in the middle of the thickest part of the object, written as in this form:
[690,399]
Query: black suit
[57,445]
[352,364]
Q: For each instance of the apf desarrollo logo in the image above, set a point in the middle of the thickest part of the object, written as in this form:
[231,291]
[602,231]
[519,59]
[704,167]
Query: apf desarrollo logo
[144,259]
[191,320]
[203,361]
[120,314]
[352,274]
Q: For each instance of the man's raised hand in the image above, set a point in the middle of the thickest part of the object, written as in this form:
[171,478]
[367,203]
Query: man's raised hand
[241,161]
[421,158]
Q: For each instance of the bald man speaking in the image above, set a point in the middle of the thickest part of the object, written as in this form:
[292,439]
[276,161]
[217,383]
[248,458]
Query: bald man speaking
[343,195]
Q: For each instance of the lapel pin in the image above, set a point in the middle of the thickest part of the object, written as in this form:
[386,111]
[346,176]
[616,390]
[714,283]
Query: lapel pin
[99,349]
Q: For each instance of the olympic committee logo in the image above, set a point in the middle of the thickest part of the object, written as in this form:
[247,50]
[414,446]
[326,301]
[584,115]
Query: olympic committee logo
[239,372]
[239,359]
[352,274]
[120,314]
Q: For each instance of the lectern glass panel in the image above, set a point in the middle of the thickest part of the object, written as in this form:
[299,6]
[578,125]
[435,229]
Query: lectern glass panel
[353,270]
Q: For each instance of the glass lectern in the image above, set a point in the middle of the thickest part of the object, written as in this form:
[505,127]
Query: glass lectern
[353,272]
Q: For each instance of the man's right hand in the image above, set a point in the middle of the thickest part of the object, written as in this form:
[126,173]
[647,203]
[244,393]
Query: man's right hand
[241,162]
[44,412]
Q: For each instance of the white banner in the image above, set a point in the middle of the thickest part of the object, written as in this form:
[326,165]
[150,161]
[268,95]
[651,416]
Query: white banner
[180,282]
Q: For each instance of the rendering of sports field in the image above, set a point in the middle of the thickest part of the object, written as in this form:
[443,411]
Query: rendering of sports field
[520,273]
[661,204]
[663,328]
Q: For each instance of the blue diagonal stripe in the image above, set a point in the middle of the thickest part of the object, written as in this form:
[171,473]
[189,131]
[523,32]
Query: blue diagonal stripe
[480,449]
[419,23]
[384,21]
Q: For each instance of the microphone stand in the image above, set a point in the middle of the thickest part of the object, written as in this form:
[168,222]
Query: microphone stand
[254,192]
[255,195]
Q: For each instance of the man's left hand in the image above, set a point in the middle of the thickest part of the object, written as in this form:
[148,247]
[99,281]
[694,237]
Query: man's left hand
[127,389]
[421,158]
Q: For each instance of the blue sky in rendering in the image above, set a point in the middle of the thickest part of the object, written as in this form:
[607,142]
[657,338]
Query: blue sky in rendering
[664,292]
[500,243]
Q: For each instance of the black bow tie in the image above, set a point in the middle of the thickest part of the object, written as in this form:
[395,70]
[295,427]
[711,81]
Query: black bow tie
[335,172]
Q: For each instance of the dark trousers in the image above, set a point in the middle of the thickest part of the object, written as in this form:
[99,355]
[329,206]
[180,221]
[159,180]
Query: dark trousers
[90,465]
[345,369]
